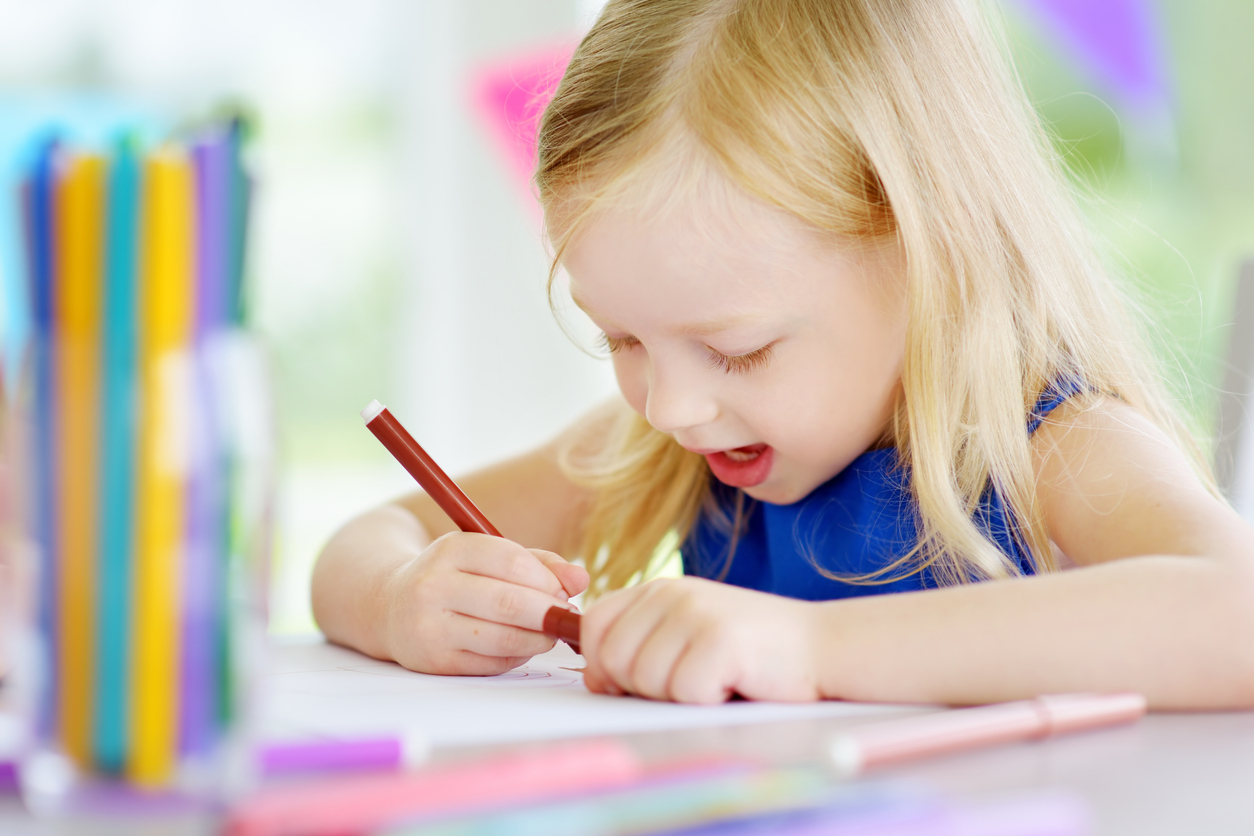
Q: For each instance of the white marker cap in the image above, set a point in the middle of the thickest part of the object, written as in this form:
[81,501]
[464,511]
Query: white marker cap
[846,756]
[372,411]
[415,748]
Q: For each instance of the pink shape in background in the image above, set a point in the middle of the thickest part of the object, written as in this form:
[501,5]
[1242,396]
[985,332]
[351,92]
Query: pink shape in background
[509,97]
[1116,40]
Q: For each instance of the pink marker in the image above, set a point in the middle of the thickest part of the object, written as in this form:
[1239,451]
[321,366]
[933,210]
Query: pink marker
[893,741]
[367,803]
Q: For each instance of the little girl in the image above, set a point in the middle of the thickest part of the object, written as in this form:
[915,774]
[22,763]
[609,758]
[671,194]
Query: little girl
[864,346]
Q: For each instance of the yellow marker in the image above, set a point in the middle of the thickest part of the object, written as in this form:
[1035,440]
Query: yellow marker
[165,326]
[77,322]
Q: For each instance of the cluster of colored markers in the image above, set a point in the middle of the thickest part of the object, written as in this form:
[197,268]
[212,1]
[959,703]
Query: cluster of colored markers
[135,261]
[604,787]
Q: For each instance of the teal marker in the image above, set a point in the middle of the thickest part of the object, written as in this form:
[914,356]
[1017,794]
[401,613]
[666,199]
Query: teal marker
[117,473]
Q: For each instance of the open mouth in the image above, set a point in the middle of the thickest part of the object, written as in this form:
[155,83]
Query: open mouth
[745,454]
[742,467]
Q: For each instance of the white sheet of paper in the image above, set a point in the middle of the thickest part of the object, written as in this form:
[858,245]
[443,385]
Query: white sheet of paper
[319,690]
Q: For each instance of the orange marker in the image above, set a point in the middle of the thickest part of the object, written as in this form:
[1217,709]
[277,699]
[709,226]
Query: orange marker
[77,301]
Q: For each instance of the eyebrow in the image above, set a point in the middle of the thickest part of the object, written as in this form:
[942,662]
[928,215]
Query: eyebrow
[699,329]
[715,326]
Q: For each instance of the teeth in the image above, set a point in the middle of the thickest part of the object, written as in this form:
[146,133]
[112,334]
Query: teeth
[742,455]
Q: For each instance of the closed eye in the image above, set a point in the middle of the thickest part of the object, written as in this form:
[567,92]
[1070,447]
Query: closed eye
[613,345]
[742,363]
[729,363]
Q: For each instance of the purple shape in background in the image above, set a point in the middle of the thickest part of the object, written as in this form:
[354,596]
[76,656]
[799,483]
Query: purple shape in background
[1116,39]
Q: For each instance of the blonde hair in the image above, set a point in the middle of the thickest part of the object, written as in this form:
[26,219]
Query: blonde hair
[867,119]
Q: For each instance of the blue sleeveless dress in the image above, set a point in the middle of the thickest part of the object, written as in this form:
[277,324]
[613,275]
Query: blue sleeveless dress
[858,522]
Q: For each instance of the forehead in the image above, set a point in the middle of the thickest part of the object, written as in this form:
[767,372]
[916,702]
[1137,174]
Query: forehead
[711,255]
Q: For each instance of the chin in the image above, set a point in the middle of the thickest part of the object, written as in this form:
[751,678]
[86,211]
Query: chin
[777,494]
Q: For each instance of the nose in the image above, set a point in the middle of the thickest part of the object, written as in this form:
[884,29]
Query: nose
[677,401]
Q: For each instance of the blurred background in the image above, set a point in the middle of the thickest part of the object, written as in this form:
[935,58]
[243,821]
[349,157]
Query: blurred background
[396,250]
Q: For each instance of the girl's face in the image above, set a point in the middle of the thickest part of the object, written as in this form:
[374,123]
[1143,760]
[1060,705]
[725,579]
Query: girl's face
[753,340]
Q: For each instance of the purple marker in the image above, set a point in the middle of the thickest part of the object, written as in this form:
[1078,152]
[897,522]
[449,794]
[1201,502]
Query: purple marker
[205,572]
[1053,814]
[380,753]
[9,784]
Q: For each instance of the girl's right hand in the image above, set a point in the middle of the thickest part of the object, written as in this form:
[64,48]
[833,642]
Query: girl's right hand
[474,605]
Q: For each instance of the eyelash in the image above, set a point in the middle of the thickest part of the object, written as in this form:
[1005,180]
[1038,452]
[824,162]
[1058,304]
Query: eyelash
[737,364]
[613,345]
[742,363]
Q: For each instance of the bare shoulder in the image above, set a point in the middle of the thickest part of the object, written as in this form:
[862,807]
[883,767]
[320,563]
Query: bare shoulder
[1113,484]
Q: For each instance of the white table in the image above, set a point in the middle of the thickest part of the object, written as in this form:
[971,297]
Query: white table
[1168,774]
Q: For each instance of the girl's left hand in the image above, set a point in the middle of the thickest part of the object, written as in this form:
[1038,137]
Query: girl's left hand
[694,640]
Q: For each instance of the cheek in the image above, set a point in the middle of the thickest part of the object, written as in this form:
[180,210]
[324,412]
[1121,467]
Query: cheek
[825,402]
[633,380]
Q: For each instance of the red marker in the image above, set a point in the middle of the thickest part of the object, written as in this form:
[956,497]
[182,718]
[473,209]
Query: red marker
[563,624]
[558,623]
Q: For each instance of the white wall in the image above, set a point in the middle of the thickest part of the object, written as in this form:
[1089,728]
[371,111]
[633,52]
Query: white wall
[392,256]
[486,370]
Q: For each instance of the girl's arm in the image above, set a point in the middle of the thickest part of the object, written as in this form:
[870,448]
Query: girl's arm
[400,582]
[1163,604]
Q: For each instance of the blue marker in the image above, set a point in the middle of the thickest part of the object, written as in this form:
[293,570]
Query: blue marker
[41,217]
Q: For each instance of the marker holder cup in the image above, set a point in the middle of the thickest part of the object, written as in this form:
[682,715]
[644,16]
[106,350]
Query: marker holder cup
[165,689]
[135,515]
